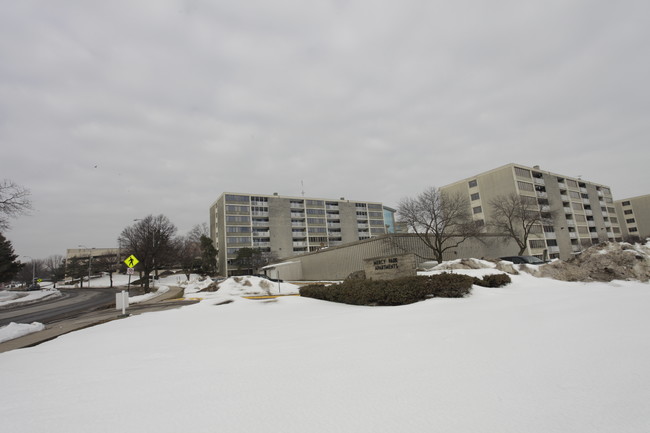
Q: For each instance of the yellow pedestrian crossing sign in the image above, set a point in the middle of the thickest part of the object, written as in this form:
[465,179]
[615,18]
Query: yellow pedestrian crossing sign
[131,261]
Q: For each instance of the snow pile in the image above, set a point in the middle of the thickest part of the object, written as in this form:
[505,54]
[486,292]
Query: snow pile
[13,298]
[473,267]
[236,287]
[15,330]
[603,262]
[147,296]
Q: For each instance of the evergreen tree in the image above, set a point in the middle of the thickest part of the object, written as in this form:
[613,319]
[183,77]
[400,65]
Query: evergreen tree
[9,267]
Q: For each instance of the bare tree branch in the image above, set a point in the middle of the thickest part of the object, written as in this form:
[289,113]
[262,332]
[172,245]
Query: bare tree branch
[442,221]
[14,201]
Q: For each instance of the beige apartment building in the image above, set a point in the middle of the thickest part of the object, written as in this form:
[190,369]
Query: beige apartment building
[285,226]
[634,216]
[582,212]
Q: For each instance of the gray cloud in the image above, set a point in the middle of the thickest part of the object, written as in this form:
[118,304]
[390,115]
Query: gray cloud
[111,111]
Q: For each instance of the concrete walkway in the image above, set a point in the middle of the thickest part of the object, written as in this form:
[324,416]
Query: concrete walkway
[164,301]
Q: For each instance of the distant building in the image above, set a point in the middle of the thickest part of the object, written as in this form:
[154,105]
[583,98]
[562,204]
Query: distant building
[634,216]
[582,212]
[285,226]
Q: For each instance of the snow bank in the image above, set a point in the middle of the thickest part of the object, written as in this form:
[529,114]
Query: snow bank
[15,330]
[13,298]
[148,296]
[603,262]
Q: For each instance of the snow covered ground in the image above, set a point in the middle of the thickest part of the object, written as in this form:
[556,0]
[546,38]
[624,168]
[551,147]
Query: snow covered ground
[538,355]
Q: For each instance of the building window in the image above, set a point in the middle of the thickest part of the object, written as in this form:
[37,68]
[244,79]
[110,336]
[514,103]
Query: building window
[633,229]
[378,215]
[477,209]
[237,198]
[574,195]
[628,212]
[316,221]
[237,219]
[315,211]
[572,183]
[525,186]
[626,203]
[238,229]
[630,221]
[549,229]
[473,183]
[537,243]
[315,203]
[614,220]
[374,206]
[522,172]
[475,196]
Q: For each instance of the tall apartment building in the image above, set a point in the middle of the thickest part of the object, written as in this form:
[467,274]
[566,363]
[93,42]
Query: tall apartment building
[287,226]
[582,212]
[634,216]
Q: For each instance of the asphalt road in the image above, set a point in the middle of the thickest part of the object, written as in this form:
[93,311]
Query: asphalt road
[73,302]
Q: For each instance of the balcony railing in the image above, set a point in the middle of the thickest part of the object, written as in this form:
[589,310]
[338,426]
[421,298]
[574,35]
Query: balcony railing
[260,223]
[583,190]
[541,194]
[538,181]
[564,197]
[562,185]
[553,250]
[261,244]
[299,244]
[567,210]
[297,215]
[570,223]
[259,213]
[588,212]
[261,234]
[550,235]
[294,224]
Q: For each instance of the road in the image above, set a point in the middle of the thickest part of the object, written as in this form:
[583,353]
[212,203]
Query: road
[73,302]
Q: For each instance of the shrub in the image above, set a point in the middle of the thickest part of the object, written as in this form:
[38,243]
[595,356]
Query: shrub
[495,280]
[399,291]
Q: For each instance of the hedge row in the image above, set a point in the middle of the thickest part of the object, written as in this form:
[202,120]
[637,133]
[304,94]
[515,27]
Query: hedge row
[399,291]
[495,280]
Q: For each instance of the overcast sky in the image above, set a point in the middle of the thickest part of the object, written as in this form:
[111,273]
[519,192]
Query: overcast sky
[111,111]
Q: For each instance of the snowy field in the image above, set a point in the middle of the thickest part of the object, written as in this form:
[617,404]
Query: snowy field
[536,356]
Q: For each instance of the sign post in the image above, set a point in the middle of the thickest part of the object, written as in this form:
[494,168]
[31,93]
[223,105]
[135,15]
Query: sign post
[123,301]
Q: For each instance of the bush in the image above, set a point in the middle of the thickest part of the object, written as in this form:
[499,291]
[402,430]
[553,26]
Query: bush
[399,291]
[496,280]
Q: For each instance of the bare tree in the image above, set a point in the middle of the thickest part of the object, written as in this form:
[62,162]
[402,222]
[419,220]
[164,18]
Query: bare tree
[189,255]
[14,201]
[55,267]
[151,240]
[442,221]
[197,231]
[517,217]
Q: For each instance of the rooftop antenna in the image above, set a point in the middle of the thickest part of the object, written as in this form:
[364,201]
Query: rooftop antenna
[302,187]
